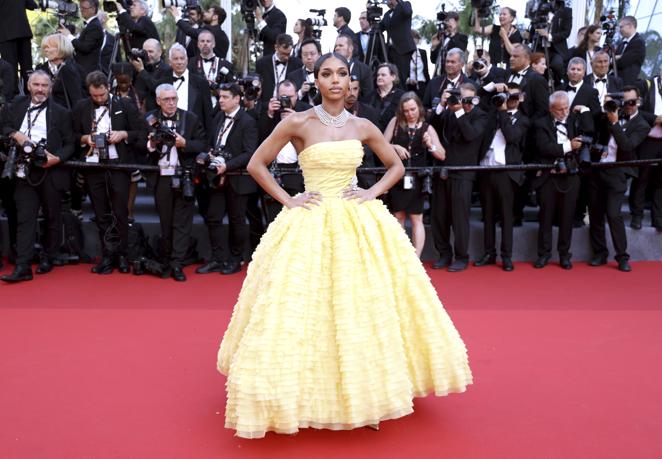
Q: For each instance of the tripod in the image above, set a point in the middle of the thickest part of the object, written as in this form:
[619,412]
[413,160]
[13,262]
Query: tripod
[376,40]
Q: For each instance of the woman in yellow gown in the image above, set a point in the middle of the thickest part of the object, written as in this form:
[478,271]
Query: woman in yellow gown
[337,325]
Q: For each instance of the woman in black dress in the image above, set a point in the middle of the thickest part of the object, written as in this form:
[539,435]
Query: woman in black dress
[386,98]
[64,72]
[587,47]
[412,139]
[502,36]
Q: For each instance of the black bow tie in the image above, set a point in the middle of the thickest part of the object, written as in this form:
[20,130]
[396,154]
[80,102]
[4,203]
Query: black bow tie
[230,118]
[518,75]
[280,62]
[101,105]
[211,59]
[181,78]
[37,107]
[625,117]
[169,118]
[603,80]
[571,88]
[625,42]
[559,123]
[309,72]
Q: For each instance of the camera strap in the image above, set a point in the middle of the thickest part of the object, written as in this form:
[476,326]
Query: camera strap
[32,121]
[96,121]
[221,133]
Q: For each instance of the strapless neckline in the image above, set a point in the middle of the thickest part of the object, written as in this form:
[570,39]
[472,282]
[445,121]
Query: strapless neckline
[309,147]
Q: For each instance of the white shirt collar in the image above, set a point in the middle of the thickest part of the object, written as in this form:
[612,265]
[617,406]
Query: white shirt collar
[234,113]
[185,75]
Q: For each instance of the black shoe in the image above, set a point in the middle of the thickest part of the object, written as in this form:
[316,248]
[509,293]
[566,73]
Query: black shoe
[105,266]
[45,266]
[458,265]
[507,264]
[178,274]
[598,261]
[211,267]
[486,260]
[231,267]
[441,263]
[624,266]
[123,264]
[635,223]
[20,273]
[541,262]
[565,263]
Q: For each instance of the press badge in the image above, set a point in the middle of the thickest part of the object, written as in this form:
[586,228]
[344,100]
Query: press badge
[408,182]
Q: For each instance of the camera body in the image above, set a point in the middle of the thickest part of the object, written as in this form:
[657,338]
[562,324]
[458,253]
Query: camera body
[285,104]
[101,145]
[111,6]
[566,164]
[207,164]
[65,10]
[500,98]
[609,22]
[374,11]
[10,159]
[454,96]
[250,86]
[483,7]
[615,103]
[317,22]
[139,54]
[247,10]
[164,137]
[35,154]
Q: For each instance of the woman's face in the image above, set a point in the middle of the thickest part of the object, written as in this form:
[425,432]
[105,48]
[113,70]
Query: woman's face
[49,50]
[384,78]
[298,27]
[540,66]
[504,17]
[596,36]
[333,79]
[410,111]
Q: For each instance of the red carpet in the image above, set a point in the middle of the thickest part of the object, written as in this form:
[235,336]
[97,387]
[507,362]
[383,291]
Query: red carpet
[124,367]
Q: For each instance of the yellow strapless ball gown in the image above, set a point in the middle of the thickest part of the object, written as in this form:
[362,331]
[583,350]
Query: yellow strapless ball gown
[337,325]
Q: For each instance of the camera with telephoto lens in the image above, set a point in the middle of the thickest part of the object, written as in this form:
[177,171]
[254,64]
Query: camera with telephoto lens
[479,65]
[500,98]
[374,12]
[35,154]
[184,4]
[164,137]
[482,7]
[538,12]
[584,154]
[615,102]
[566,164]
[454,95]
[317,23]
[136,54]
[101,145]
[183,180]
[225,75]
[10,159]
[144,265]
[247,10]
[111,6]
[250,86]
[207,167]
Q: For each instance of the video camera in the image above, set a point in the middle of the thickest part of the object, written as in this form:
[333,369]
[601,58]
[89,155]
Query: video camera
[317,22]
[65,10]
[184,5]
[374,12]
[111,6]
[250,86]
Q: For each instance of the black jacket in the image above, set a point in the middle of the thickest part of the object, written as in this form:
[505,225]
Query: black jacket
[59,141]
[631,60]
[397,22]
[189,127]
[276,24]
[88,46]
[536,101]
[560,29]
[240,145]
[459,40]
[372,45]
[366,80]
[8,80]
[586,95]
[14,21]
[434,88]
[139,31]
[199,98]
[221,38]
[298,77]
[386,106]
[514,129]
[147,81]
[265,68]
[628,138]
[67,85]
[124,116]
[614,83]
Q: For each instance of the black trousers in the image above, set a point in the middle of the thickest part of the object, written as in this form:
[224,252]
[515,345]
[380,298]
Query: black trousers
[221,201]
[497,195]
[18,52]
[7,190]
[109,193]
[401,61]
[606,193]
[560,192]
[176,218]
[28,201]
[451,204]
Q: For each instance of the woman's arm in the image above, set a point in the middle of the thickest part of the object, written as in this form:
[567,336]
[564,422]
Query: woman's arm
[481,30]
[434,144]
[388,136]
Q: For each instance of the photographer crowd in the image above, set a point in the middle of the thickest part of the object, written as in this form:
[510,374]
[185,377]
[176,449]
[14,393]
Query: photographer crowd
[123,101]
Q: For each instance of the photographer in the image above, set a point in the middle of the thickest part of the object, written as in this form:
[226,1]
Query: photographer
[630,52]
[599,79]
[212,19]
[622,130]
[274,68]
[453,77]
[232,142]
[412,138]
[67,88]
[397,23]
[502,36]
[447,38]
[16,37]
[174,145]
[214,69]
[135,25]
[341,18]
[187,27]
[90,40]
[106,128]
[280,108]
[40,182]
[270,24]
[365,42]
[502,144]
[304,78]
[554,37]
[150,69]
[558,142]
[460,125]
[485,75]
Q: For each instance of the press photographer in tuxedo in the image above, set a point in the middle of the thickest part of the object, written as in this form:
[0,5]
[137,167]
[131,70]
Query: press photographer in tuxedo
[174,195]
[212,19]
[274,68]
[88,44]
[304,78]
[445,40]
[118,125]
[40,181]
[270,23]
[149,72]
[231,143]
[397,23]
[630,52]
[136,24]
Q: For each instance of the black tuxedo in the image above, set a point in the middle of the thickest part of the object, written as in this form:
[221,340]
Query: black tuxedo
[534,85]
[451,198]
[587,96]
[88,46]
[366,80]
[222,42]
[265,68]
[560,29]
[345,30]
[184,26]
[42,187]
[397,22]
[607,187]
[148,79]
[139,30]
[239,146]
[16,35]
[298,77]
[372,45]
[109,190]
[495,75]
[199,99]
[614,83]
[497,189]
[175,211]
[107,51]
[436,87]
[459,40]
[557,190]
[632,58]
[67,84]
[276,24]
[8,77]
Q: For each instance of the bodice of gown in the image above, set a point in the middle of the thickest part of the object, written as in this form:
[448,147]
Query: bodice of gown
[329,167]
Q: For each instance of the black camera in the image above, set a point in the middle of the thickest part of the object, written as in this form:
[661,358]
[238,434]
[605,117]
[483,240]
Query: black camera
[35,153]
[65,10]
[500,98]
[183,180]
[426,184]
[206,166]
[164,137]
[144,265]
[186,4]
[585,150]
[10,159]
[111,6]
[285,103]
[374,12]
[538,11]
[609,22]
[483,7]
[250,86]
[479,65]
[566,164]
[101,145]
[248,15]
[224,75]
[139,54]
[454,95]
[615,103]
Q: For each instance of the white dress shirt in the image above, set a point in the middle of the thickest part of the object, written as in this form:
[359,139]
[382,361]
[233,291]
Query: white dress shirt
[227,125]
[103,126]
[182,90]
[573,94]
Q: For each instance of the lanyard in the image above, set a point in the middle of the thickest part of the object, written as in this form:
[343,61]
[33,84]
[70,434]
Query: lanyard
[95,122]
[32,121]
[222,132]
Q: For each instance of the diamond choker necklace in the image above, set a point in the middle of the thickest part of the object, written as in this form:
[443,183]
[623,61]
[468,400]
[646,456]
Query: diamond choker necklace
[329,120]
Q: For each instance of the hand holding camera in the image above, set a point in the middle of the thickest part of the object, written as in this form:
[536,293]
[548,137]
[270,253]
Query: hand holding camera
[576,143]
[20,138]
